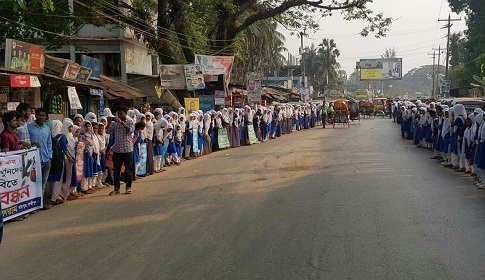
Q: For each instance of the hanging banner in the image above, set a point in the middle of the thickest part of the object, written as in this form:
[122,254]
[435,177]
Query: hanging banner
[220,97]
[158,90]
[252,135]
[25,57]
[195,140]
[20,183]
[194,79]
[222,139]
[24,81]
[93,64]
[80,160]
[191,104]
[73,98]
[206,103]
[445,87]
[254,87]
[142,168]
[215,65]
[172,76]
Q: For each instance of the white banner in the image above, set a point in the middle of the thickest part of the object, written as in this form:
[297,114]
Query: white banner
[73,98]
[215,65]
[20,183]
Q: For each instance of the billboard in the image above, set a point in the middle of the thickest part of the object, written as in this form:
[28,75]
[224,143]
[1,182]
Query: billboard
[25,57]
[172,76]
[380,69]
[94,64]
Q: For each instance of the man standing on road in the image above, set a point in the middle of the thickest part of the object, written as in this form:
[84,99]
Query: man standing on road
[22,130]
[122,128]
[40,135]
[324,114]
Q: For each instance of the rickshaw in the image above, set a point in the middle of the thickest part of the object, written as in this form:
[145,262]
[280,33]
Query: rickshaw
[341,114]
[368,109]
[354,110]
[379,108]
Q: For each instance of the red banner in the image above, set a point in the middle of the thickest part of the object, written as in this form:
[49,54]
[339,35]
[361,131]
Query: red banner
[24,81]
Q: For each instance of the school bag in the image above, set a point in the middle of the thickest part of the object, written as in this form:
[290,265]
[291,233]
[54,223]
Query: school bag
[57,162]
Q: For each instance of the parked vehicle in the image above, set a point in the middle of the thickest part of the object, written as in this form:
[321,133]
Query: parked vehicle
[342,113]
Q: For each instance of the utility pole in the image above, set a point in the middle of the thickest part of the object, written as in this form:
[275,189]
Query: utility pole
[302,52]
[448,25]
[433,95]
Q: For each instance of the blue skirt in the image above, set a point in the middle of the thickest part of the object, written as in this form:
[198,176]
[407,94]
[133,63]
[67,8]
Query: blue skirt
[158,149]
[446,142]
[481,156]
[171,148]
[88,165]
[96,166]
[74,181]
[103,163]
[200,141]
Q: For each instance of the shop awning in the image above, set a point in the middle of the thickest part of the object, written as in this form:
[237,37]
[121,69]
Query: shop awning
[276,93]
[113,89]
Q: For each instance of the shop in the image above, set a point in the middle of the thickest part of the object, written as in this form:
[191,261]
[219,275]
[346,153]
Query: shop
[16,88]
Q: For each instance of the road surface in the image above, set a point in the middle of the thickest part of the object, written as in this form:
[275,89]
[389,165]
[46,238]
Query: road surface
[358,203]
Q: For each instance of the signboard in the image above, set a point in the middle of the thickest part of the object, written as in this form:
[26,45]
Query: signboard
[381,69]
[12,106]
[95,91]
[71,71]
[445,87]
[191,104]
[172,76]
[206,103]
[73,98]
[142,168]
[84,73]
[94,64]
[24,81]
[254,97]
[20,183]
[195,140]
[252,135]
[215,65]
[222,139]
[254,87]
[194,79]
[220,97]
[25,57]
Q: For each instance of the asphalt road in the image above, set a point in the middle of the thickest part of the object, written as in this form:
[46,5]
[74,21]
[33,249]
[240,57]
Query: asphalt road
[344,203]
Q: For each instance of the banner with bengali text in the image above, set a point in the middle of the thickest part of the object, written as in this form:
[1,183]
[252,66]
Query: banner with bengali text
[20,183]
[223,139]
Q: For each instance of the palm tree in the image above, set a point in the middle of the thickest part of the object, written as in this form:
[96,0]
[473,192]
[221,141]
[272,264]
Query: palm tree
[456,47]
[389,53]
[328,54]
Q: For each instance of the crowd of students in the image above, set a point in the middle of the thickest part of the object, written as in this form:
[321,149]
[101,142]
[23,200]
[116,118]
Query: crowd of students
[169,139]
[457,138]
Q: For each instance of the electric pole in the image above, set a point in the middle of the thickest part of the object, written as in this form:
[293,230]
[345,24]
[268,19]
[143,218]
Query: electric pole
[302,52]
[448,25]
[437,72]
[434,61]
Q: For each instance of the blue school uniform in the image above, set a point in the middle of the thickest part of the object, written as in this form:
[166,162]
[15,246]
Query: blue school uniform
[55,176]
[136,149]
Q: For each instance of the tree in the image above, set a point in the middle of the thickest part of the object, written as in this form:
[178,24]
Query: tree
[474,45]
[329,53]
[456,49]
[176,29]
[389,53]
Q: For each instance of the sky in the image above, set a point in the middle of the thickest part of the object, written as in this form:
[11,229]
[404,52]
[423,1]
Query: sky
[413,34]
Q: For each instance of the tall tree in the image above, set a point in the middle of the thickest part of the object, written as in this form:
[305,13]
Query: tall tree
[328,53]
[474,45]
[456,49]
[389,53]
